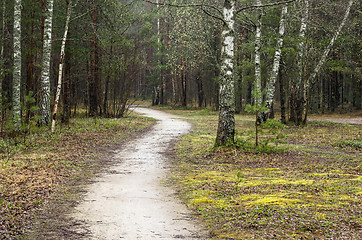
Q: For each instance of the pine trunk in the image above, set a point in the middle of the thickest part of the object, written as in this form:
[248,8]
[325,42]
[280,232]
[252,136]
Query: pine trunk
[2,55]
[93,84]
[282,98]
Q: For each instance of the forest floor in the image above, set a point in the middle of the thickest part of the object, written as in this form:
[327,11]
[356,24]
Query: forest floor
[42,177]
[308,186]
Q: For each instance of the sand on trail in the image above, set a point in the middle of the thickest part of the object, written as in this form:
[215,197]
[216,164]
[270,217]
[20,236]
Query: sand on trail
[129,201]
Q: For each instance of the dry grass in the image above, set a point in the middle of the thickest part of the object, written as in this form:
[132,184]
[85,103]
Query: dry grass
[36,171]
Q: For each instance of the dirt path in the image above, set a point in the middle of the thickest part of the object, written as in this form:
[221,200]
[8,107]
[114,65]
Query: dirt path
[347,120]
[342,120]
[130,202]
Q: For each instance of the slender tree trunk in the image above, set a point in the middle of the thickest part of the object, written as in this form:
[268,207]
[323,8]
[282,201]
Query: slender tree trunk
[296,93]
[257,82]
[61,62]
[30,86]
[2,55]
[44,108]
[66,89]
[173,76]
[258,98]
[98,76]
[226,122]
[93,92]
[282,97]
[68,105]
[270,86]
[106,90]
[323,59]
[17,64]
[200,90]
[239,75]
[159,80]
[75,96]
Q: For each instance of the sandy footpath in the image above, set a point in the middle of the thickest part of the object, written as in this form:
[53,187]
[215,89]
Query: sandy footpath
[129,202]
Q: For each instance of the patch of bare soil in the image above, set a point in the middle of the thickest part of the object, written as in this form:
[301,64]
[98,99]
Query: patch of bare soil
[129,201]
[342,120]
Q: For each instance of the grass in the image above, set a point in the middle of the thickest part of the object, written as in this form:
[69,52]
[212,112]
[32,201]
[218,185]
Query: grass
[46,166]
[310,189]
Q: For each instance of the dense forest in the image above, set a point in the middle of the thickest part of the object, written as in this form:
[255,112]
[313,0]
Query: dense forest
[95,57]
[239,83]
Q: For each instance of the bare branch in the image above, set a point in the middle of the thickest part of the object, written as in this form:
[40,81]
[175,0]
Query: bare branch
[264,5]
[199,5]
[213,16]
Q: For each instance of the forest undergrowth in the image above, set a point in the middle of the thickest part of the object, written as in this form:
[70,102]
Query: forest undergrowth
[309,186]
[47,168]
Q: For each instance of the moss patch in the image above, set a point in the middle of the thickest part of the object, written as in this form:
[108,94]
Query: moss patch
[311,191]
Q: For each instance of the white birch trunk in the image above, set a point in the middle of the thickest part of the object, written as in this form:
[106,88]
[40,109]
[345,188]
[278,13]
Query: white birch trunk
[61,63]
[323,60]
[330,45]
[226,123]
[296,95]
[44,107]
[270,86]
[302,32]
[17,64]
[257,83]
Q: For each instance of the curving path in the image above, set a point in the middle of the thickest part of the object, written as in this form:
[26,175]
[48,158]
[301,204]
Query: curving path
[129,202]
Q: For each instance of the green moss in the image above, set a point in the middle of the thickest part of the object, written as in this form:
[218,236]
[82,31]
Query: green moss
[212,176]
[273,200]
[258,181]
[304,193]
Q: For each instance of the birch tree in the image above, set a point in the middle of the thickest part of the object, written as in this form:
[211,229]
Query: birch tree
[270,86]
[322,60]
[296,97]
[61,63]
[44,107]
[257,82]
[226,123]
[17,64]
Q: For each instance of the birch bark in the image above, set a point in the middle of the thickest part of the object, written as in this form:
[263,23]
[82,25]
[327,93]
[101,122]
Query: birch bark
[17,64]
[323,60]
[44,108]
[270,86]
[296,95]
[257,83]
[226,123]
[61,63]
